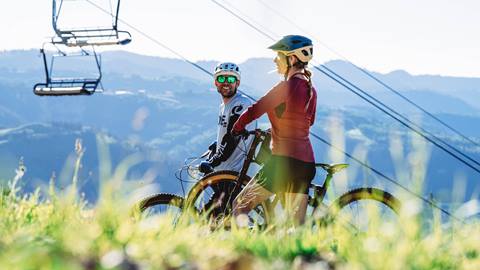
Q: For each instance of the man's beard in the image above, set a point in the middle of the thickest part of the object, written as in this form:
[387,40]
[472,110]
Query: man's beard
[230,95]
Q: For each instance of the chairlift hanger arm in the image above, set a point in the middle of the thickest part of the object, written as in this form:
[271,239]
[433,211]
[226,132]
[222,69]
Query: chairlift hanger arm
[115,25]
[56,13]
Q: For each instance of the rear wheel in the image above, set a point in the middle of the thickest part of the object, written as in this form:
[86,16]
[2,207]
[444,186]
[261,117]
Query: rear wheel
[162,203]
[365,208]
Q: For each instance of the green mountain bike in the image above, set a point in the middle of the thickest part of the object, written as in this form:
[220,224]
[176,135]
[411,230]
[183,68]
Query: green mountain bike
[213,194]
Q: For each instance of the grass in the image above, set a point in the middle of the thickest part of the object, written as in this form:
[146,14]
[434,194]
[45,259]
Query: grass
[60,231]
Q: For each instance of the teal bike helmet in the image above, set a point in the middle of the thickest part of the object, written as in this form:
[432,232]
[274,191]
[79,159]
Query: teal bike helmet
[299,46]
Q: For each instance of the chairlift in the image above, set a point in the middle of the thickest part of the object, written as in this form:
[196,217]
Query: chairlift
[88,36]
[68,86]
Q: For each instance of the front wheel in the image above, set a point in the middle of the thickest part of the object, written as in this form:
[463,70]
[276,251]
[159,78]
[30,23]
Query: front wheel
[214,193]
[213,196]
[365,208]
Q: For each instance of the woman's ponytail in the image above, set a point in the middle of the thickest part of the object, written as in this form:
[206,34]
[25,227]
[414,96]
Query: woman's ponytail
[303,65]
[308,73]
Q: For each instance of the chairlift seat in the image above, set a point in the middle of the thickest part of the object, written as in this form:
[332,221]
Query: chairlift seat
[92,37]
[43,90]
[66,87]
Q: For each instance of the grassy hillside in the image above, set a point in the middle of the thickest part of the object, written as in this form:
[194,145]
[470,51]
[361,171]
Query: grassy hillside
[58,231]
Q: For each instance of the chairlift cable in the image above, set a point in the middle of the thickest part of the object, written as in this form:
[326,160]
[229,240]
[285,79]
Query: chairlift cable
[394,117]
[313,134]
[156,41]
[364,98]
[388,178]
[243,20]
[243,15]
[388,87]
[417,106]
[369,74]
[348,155]
[419,130]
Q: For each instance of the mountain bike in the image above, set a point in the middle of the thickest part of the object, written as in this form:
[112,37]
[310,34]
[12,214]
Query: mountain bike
[202,198]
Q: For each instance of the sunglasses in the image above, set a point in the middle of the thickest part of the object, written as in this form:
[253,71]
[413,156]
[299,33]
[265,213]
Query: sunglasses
[228,79]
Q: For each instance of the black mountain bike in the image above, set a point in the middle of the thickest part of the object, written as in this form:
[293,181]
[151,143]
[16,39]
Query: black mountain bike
[204,196]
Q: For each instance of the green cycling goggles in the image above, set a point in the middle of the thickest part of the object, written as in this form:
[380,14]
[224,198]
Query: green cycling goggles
[228,79]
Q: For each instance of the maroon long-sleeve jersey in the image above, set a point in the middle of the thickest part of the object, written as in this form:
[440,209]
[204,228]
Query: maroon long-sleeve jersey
[291,108]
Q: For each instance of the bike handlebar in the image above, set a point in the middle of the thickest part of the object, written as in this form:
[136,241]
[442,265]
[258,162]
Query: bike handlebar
[254,132]
[205,154]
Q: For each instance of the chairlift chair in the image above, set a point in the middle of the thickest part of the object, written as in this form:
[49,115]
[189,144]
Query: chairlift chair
[65,86]
[88,36]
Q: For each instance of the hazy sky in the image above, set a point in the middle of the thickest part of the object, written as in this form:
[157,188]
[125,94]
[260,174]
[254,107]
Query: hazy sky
[422,36]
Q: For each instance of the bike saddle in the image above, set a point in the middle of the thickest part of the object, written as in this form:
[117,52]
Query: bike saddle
[333,168]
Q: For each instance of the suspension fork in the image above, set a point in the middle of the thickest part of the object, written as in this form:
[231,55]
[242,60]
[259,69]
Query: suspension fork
[246,163]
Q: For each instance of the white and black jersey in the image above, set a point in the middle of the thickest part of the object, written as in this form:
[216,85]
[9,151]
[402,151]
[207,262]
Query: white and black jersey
[231,151]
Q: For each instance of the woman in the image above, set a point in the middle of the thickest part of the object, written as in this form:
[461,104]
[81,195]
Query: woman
[290,106]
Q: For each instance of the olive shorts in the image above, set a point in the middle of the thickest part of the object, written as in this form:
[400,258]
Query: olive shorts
[286,174]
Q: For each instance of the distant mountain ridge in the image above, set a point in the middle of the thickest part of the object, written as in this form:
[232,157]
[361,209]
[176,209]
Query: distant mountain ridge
[26,67]
[165,106]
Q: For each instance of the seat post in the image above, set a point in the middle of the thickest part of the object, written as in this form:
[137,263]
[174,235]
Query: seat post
[323,189]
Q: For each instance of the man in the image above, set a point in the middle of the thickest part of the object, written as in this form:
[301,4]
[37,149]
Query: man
[228,152]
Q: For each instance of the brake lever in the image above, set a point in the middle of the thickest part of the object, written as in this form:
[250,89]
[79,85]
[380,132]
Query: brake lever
[205,154]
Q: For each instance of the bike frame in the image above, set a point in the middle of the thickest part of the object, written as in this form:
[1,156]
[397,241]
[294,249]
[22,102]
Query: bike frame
[318,191]
[259,137]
